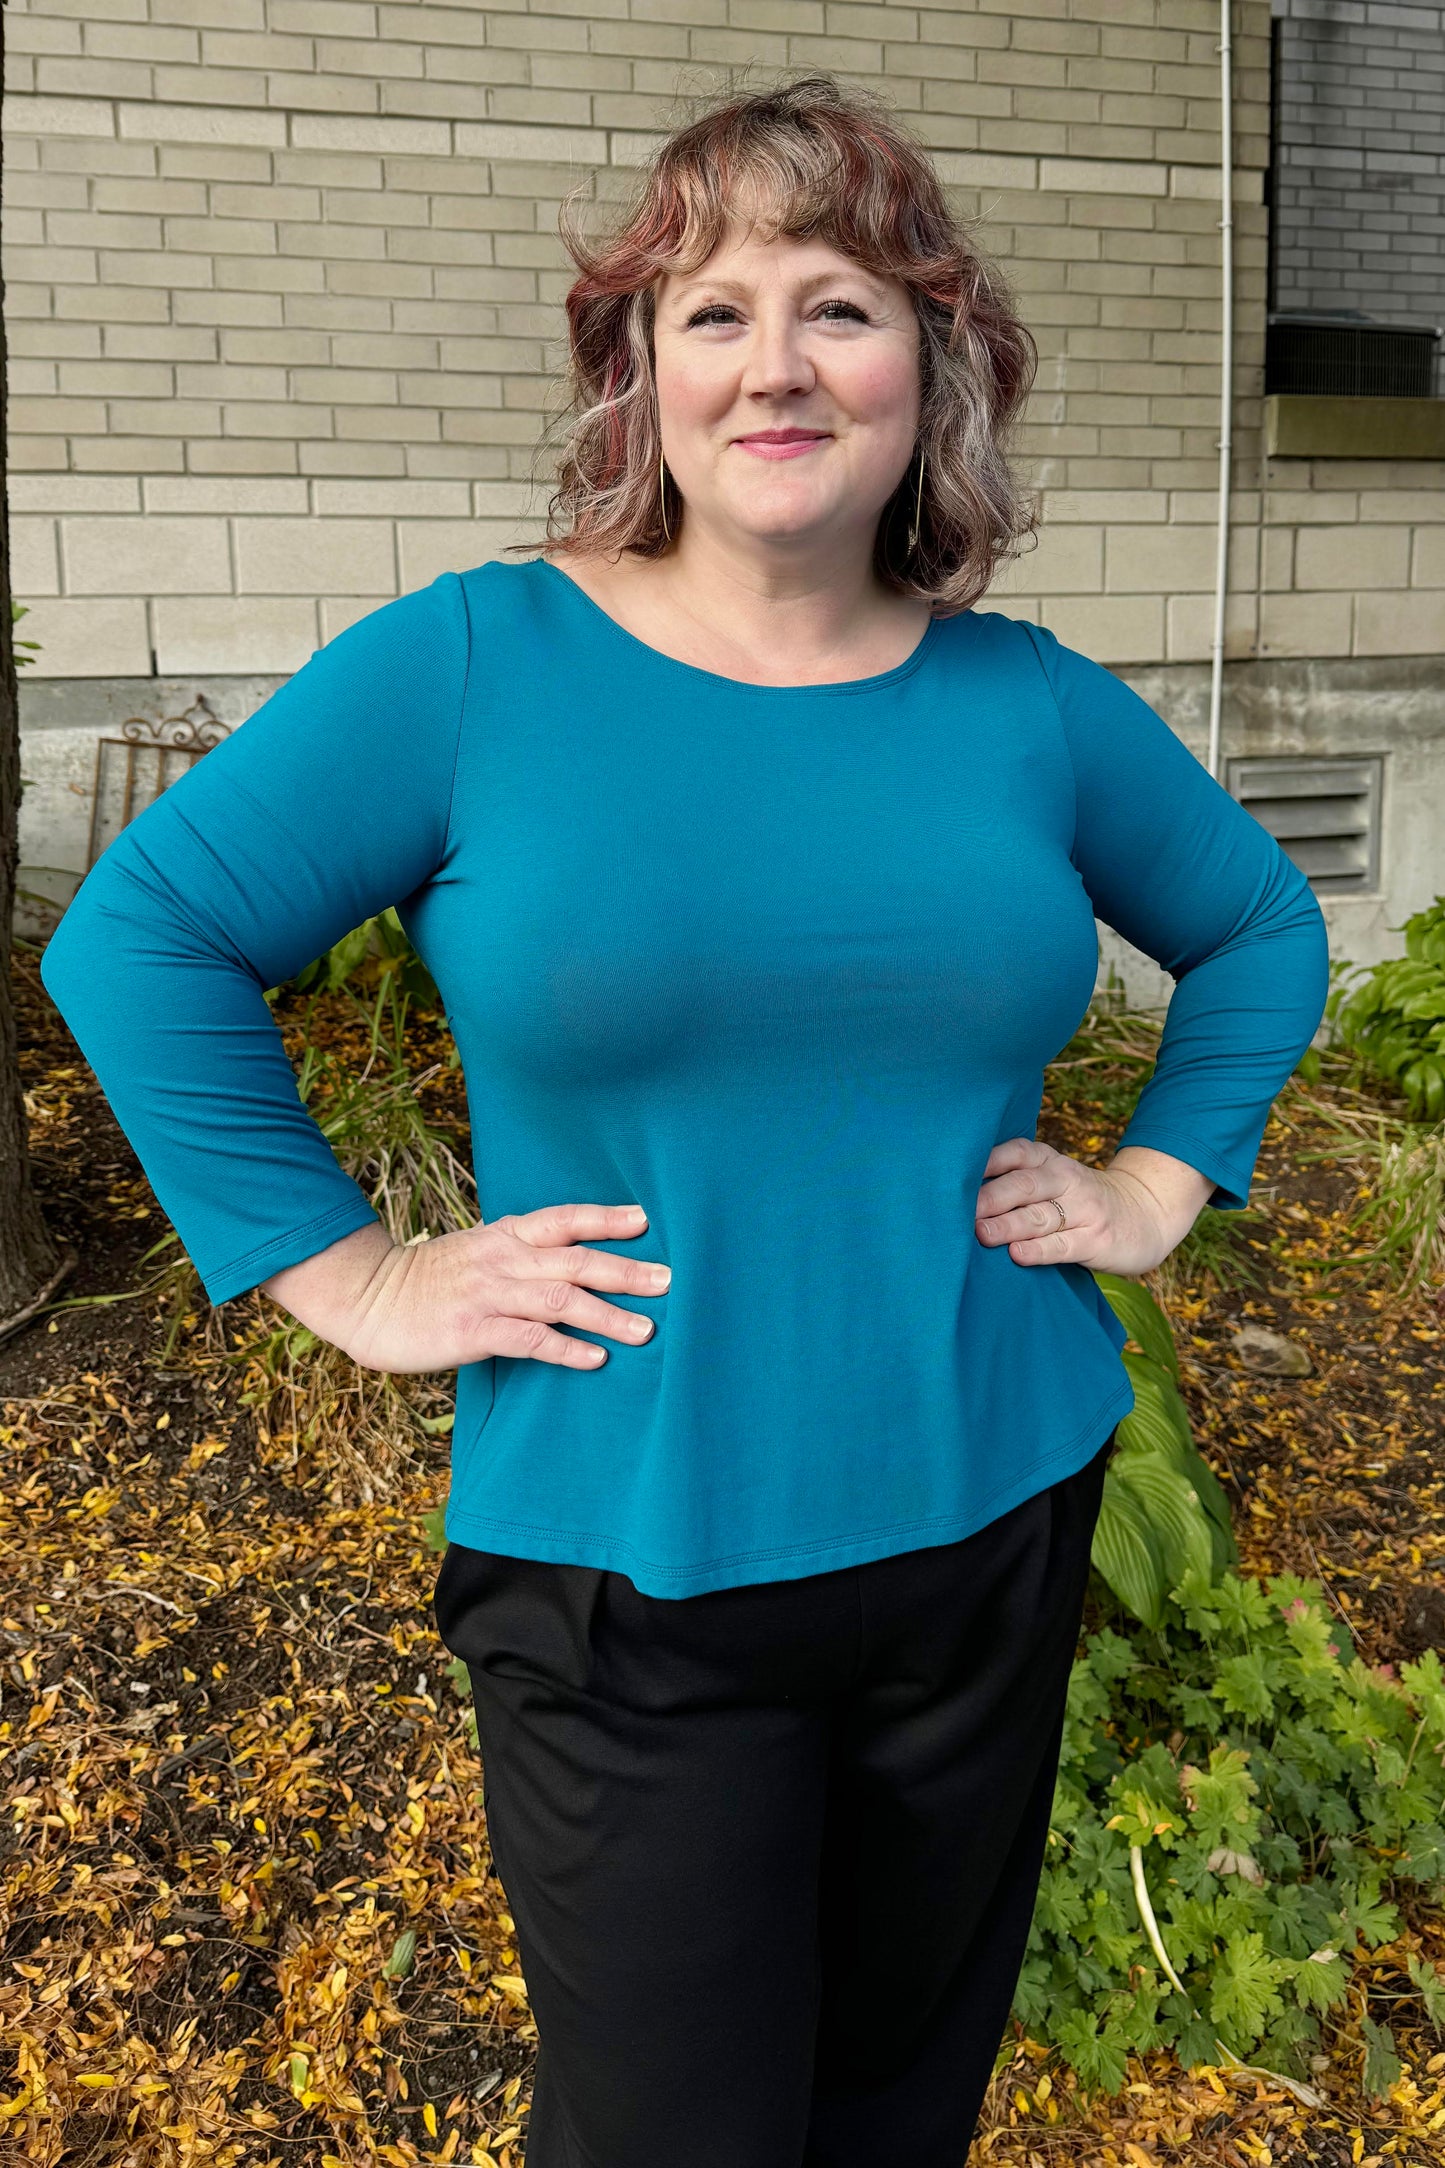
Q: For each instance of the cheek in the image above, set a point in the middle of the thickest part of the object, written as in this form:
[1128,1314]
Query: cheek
[692,392]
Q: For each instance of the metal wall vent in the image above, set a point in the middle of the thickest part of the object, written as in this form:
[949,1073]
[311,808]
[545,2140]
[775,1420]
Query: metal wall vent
[1347,355]
[1324,812]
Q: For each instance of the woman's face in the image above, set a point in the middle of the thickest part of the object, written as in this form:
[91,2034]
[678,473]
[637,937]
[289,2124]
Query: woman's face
[786,335]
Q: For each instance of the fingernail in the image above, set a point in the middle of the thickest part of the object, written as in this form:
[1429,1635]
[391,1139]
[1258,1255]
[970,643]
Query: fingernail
[635,1211]
[660,1275]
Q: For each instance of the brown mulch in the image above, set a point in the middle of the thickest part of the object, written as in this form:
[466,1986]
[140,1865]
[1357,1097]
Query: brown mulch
[237,1779]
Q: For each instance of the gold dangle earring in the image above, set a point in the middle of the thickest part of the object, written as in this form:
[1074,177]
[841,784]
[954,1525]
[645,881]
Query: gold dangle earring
[662,494]
[917,520]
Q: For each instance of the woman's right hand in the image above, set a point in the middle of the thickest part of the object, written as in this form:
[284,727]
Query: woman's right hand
[502,1287]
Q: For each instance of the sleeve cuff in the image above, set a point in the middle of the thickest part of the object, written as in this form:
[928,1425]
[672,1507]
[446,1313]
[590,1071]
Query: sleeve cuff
[1231,1179]
[242,1273]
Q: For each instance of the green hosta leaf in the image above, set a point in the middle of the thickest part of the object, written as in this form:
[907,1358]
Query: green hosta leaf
[434,1528]
[403,1956]
[1142,1318]
[1244,1991]
[1158,1422]
[1127,1552]
[1173,1509]
[1382,2064]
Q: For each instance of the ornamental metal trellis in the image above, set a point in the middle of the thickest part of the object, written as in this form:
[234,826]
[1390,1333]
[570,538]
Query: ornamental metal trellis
[177,741]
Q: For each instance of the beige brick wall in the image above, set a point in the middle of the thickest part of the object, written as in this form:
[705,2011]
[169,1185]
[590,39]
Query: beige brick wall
[284,304]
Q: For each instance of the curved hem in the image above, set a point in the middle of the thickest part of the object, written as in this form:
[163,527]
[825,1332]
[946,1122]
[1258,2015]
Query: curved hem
[519,1539]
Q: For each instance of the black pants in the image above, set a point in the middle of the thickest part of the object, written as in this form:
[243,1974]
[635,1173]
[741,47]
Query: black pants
[772,1851]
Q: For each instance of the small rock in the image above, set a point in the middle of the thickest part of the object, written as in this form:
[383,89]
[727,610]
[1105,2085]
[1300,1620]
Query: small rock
[1260,1349]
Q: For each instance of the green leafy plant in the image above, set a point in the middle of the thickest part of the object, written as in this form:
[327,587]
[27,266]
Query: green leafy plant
[379,948]
[1244,1809]
[1393,1020]
[25,650]
[1164,1513]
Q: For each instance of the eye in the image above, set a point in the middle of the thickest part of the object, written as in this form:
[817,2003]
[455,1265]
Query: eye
[716,310]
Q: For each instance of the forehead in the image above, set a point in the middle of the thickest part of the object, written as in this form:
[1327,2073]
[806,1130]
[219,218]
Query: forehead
[745,259]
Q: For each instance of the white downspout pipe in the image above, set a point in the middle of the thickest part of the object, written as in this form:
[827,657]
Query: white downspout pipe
[1226,377]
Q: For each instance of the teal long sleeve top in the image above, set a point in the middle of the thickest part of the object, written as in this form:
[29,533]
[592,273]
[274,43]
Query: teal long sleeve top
[781,964]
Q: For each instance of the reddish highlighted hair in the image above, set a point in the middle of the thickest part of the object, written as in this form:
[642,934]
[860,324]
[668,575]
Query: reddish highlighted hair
[806,160]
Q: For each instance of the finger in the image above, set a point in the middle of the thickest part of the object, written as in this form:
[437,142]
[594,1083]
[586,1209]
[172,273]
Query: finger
[531,1338]
[1017,1152]
[1053,1249]
[560,1301]
[552,1224]
[589,1268]
[1025,1220]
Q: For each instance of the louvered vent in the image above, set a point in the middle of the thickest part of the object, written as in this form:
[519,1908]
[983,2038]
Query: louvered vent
[1349,356]
[1324,812]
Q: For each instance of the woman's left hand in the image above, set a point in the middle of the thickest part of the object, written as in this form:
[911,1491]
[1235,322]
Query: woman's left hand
[1112,1220]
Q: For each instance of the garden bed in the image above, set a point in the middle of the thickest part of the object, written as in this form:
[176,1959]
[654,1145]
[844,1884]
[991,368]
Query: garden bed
[238,1780]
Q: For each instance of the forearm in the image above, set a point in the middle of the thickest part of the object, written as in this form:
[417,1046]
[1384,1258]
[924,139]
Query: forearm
[335,1291]
[1179,1191]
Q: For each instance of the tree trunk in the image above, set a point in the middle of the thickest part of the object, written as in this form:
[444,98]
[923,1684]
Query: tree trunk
[30,1265]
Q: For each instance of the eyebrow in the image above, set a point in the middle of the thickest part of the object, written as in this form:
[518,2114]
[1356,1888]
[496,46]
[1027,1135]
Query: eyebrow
[736,286]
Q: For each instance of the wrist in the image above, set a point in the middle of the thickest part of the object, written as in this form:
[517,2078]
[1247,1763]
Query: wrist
[340,1292]
[1174,1191]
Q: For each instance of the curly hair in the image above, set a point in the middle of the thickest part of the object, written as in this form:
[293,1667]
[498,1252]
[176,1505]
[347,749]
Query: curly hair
[803,159]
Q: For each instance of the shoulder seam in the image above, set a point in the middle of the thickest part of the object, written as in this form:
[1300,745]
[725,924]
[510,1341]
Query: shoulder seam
[1063,727]
[461,711]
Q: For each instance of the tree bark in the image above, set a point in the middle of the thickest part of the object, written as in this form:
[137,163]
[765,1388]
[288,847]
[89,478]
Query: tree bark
[30,1264]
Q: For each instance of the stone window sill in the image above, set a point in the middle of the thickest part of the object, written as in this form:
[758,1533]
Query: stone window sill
[1310,426]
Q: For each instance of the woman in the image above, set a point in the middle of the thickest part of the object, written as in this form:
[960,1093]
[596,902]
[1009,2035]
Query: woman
[759,872]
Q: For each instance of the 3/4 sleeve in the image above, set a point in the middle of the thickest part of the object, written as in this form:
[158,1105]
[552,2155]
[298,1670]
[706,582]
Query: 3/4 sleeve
[330,803]
[1179,867]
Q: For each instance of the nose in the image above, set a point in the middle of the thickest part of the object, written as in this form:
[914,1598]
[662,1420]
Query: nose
[776,358]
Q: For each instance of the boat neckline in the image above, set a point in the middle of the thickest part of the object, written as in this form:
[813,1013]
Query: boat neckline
[879,681]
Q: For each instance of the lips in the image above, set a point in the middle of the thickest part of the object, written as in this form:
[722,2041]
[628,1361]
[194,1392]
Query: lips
[783,436]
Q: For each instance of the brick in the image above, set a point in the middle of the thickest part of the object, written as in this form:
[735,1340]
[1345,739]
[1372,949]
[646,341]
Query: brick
[224,494]
[134,193]
[159,343]
[224,381]
[117,379]
[1343,557]
[90,639]
[242,455]
[1304,624]
[315,556]
[258,418]
[490,139]
[201,124]
[234,635]
[1109,628]
[138,41]
[343,132]
[325,18]
[34,557]
[353,459]
[152,267]
[120,454]
[62,77]
[106,556]
[73,493]
[46,338]
[1400,624]
[1427,566]
[216,161]
[429,547]
[439,500]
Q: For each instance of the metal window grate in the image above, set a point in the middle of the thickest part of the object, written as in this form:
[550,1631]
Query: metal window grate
[1324,812]
[1346,355]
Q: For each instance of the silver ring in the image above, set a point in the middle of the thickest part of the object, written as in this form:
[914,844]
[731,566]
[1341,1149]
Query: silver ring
[1063,1215]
